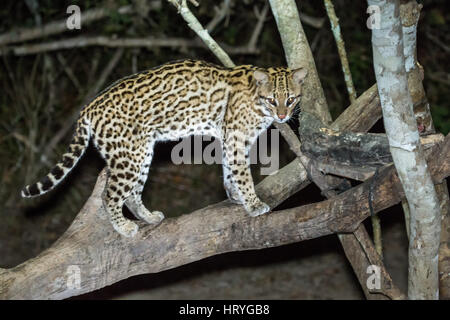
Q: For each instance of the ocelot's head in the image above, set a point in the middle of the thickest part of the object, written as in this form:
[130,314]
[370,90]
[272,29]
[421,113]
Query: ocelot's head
[279,90]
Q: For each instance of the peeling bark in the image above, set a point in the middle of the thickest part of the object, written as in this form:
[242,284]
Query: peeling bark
[348,154]
[407,152]
[409,15]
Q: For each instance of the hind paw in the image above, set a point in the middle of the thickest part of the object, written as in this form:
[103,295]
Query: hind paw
[152,217]
[257,208]
[127,228]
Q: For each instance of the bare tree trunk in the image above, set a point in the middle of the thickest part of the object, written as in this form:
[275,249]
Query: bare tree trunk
[298,54]
[407,152]
[409,15]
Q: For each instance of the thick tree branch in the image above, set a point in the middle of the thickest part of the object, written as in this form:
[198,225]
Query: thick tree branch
[298,54]
[103,257]
[345,153]
[367,104]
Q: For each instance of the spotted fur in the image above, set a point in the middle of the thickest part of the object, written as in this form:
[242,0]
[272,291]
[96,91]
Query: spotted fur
[170,102]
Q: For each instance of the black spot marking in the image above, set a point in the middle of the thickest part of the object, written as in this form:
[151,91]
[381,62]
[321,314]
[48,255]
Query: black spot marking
[128,176]
[33,189]
[25,192]
[46,183]
[67,162]
[77,152]
[237,74]
[57,172]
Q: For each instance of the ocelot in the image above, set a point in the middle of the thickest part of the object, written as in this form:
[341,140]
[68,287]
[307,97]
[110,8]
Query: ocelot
[170,102]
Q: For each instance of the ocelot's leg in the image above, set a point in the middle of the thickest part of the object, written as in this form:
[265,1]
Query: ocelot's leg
[120,182]
[230,189]
[134,201]
[240,177]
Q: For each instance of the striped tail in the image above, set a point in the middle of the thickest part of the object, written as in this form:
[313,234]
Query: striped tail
[77,148]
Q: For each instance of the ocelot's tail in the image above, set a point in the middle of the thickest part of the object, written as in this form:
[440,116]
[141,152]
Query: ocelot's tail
[77,148]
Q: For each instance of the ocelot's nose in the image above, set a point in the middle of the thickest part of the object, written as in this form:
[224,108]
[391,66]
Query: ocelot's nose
[281,116]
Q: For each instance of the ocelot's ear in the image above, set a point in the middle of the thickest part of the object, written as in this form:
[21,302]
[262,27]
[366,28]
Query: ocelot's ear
[299,75]
[261,77]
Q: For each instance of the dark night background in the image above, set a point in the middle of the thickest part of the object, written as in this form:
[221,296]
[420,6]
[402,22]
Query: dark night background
[39,92]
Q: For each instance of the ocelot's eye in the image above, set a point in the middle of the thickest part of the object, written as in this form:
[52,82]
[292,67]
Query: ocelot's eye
[271,101]
[290,101]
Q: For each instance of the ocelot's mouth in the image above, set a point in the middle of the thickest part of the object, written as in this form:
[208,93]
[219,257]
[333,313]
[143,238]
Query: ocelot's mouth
[286,119]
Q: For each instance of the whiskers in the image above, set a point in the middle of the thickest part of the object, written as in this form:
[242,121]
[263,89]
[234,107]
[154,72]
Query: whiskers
[294,115]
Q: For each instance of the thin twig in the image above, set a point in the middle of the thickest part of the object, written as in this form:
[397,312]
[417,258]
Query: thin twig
[25,34]
[335,27]
[221,13]
[105,74]
[67,126]
[31,146]
[258,28]
[69,72]
[311,21]
[82,42]
[196,26]
[437,42]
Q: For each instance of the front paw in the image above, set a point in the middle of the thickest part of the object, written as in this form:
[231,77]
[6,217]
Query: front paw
[257,208]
